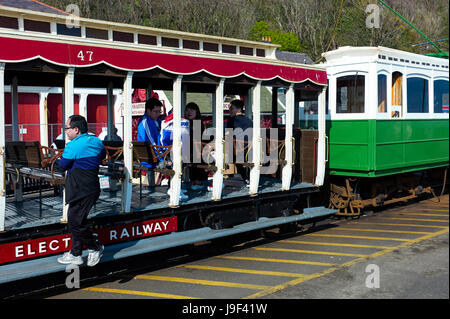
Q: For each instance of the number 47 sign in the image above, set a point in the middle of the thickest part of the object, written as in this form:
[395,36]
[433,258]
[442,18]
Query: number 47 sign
[85,55]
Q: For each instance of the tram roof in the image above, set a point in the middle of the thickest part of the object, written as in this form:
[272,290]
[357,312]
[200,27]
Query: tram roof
[27,35]
[382,54]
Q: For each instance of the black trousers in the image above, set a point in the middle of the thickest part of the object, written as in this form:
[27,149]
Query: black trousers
[78,225]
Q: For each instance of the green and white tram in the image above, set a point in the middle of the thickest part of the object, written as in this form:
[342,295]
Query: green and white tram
[388,115]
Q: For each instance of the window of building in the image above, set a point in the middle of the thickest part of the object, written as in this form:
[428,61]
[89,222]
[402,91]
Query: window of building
[441,96]
[350,94]
[417,95]
[382,93]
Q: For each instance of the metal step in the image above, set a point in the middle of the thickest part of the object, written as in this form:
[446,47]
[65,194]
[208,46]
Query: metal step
[47,265]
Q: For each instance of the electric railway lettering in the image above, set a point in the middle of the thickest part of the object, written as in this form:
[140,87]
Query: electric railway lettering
[57,244]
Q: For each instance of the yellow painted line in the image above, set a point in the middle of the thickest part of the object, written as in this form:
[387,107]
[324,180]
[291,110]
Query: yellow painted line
[137,293]
[287,261]
[430,210]
[309,251]
[418,214]
[406,225]
[202,282]
[332,244]
[244,271]
[418,219]
[444,205]
[347,264]
[384,231]
[357,237]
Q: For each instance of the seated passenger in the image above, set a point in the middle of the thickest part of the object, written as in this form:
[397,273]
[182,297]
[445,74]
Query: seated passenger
[196,175]
[166,138]
[240,125]
[114,136]
[150,124]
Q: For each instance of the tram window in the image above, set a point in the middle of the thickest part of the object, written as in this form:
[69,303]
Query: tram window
[245,51]
[37,26]
[441,96]
[261,52]
[193,45]
[147,39]
[228,49]
[207,46]
[417,95]
[97,33]
[64,30]
[350,94]
[382,93]
[10,23]
[397,80]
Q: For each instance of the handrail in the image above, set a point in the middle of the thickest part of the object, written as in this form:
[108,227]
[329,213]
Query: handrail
[3,189]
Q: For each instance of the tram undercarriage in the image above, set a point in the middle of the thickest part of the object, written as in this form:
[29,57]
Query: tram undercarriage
[349,196]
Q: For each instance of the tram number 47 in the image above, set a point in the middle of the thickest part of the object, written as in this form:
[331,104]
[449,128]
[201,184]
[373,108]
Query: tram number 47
[82,55]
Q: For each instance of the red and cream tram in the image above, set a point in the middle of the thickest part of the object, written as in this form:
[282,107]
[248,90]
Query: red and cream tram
[107,61]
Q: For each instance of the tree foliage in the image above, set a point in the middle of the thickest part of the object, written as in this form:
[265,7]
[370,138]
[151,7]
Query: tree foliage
[309,26]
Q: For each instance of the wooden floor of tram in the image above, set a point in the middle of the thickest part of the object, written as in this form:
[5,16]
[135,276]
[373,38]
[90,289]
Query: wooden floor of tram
[257,270]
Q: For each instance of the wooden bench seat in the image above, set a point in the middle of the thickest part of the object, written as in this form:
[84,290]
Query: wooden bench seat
[32,160]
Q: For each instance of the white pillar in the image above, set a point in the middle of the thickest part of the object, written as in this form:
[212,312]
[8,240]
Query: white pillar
[15,109]
[256,142]
[68,110]
[43,118]
[127,186]
[219,143]
[110,109]
[18,192]
[431,97]
[2,149]
[286,173]
[82,106]
[323,139]
[175,182]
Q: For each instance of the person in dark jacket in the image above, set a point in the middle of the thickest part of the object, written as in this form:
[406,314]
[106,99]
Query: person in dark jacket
[197,175]
[81,159]
[242,130]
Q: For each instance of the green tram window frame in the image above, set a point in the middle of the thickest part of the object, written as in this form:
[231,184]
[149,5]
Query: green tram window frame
[441,98]
[417,95]
[350,94]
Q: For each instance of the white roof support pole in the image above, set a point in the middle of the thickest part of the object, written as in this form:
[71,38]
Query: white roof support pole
[2,149]
[219,143]
[110,110]
[18,191]
[43,118]
[323,139]
[68,103]
[15,108]
[68,110]
[175,182]
[256,140]
[82,106]
[286,173]
[127,186]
